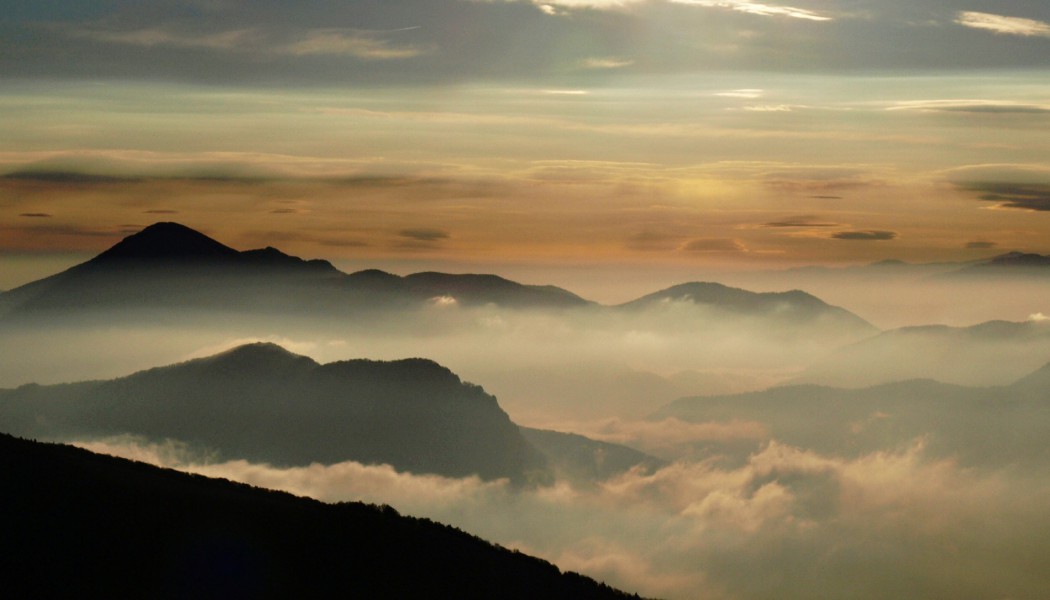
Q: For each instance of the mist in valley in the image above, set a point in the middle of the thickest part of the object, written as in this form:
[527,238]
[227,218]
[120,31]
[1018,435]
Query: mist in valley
[861,491]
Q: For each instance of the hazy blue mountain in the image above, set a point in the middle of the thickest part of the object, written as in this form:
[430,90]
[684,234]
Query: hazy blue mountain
[995,426]
[262,403]
[986,353]
[77,524]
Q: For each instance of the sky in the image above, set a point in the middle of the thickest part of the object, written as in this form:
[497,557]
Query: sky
[543,140]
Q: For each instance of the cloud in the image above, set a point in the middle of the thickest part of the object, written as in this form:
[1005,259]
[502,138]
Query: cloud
[348,42]
[750,93]
[670,438]
[816,179]
[235,39]
[975,245]
[607,63]
[550,7]
[161,211]
[780,523]
[756,8]
[1017,186]
[1006,194]
[799,221]
[768,108]
[363,44]
[1003,25]
[654,241]
[63,177]
[424,234]
[972,106]
[713,245]
[867,236]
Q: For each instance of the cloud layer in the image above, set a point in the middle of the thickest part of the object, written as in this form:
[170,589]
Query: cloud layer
[450,40]
[783,524]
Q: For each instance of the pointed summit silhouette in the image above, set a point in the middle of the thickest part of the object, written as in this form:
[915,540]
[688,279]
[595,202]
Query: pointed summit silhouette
[167,242]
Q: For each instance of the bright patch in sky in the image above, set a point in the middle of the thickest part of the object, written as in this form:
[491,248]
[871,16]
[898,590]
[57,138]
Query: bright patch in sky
[756,8]
[1004,25]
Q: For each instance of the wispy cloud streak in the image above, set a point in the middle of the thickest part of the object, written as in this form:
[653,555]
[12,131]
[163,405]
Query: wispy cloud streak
[1003,24]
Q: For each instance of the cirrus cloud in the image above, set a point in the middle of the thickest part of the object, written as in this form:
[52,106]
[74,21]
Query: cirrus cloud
[1002,24]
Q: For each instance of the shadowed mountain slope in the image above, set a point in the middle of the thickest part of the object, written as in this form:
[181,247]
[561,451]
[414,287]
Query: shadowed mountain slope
[86,525]
[262,403]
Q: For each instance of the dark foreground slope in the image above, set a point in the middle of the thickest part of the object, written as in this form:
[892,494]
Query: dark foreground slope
[77,524]
[262,403]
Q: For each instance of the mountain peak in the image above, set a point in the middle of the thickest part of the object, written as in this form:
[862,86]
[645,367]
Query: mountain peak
[167,241]
[254,356]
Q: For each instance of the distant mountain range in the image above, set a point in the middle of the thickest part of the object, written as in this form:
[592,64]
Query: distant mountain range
[976,426]
[170,267]
[1011,264]
[262,403]
[991,352]
[794,307]
[77,524]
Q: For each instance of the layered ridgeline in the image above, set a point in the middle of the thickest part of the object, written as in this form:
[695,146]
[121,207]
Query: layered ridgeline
[86,525]
[261,403]
[170,266]
[975,426]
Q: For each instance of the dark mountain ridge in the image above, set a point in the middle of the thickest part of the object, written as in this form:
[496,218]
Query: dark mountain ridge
[262,403]
[169,266]
[86,525]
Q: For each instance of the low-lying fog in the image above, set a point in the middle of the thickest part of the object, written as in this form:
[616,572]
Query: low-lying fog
[775,521]
[788,523]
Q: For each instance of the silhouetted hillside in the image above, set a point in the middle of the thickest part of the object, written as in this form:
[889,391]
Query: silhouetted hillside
[262,403]
[170,242]
[170,267]
[975,425]
[82,525]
